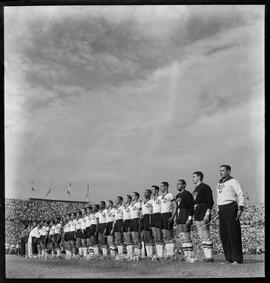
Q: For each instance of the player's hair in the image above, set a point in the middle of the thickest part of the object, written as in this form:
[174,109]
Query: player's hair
[182,181]
[156,188]
[165,184]
[103,202]
[89,207]
[120,198]
[199,173]
[228,167]
[136,194]
[110,202]
[129,197]
[149,191]
[97,206]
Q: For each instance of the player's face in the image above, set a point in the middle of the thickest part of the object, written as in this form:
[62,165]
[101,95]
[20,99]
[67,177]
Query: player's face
[195,178]
[134,197]
[126,199]
[180,186]
[163,188]
[147,194]
[223,172]
[101,205]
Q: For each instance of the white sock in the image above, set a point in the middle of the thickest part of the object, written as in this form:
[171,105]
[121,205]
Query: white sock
[150,251]
[96,251]
[120,250]
[112,252]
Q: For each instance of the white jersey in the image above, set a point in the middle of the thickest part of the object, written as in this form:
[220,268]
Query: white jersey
[31,234]
[135,211]
[147,208]
[66,227]
[94,218]
[157,204]
[72,225]
[87,220]
[83,223]
[57,229]
[102,216]
[38,233]
[119,212]
[110,215]
[166,203]
[126,212]
[230,191]
[78,224]
[51,232]
[44,230]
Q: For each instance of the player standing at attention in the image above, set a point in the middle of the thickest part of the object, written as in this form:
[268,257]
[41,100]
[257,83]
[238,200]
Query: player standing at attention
[231,202]
[83,233]
[117,227]
[156,223]
[87,228]
[203,203]
[166,214]
[102,228]
[57,236]
[127,226]
[67,236]
[135,215]
[42,238]
[72,234]
[147,209]
[38,234]
[110,212]
[184,215]
[94,230]
[78,233]
[51,237]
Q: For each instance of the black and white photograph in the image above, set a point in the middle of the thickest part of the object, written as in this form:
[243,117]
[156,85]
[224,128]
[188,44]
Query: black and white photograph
[134,141]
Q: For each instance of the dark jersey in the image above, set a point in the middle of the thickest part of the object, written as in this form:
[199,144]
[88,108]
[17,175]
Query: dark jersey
[185,206]
[203,200]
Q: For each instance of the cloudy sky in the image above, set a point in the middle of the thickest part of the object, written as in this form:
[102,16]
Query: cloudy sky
[125,97]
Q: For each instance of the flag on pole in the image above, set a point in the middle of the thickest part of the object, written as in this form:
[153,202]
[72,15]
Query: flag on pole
[49,190]
[32,186]
[87,191]
[69,189]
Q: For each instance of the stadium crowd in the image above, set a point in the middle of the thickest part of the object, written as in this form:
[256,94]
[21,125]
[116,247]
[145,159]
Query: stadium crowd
[22,212]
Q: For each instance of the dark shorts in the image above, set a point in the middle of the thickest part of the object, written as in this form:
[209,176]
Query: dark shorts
[71,236]
[92,230]
[135,225]
[182,217]
[37,241]
[101,228]
[118,225]
[145,222]
[66,236]
[43,239]
[156,220]
[164,220]
[83,234]
[126,225]
[199,211]
[87,232]
[57,238]
[79,234]
[109,227]
[51,238]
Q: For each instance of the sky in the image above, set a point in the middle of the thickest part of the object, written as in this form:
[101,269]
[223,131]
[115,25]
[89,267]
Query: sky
[125,97]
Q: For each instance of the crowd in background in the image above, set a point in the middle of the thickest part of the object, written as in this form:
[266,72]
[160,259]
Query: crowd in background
[22,212]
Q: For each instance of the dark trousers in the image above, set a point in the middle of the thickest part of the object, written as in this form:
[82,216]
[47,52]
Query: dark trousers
[230,232]
[22,247]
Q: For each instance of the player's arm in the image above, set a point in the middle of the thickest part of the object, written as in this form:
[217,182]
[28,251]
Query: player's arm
[190,202]
[174,212]
[210,203]
[96,232]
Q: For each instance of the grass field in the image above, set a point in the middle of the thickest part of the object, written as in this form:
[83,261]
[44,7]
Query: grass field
[17,267]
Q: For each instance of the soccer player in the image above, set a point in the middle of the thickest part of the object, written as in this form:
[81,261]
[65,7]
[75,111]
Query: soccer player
[51,237]
[72,234]
[118,226]
[30,240]
[102,228]
[78,233]
[203,203]
[127,227]
[135,215]
[38,233]
[147,209]
[109,233]
[67,236]
[231,202]
[156,223]
[87,228]
[184,215]
[94,230]
[166,214]
[83,233]
[43,234]
[57,236]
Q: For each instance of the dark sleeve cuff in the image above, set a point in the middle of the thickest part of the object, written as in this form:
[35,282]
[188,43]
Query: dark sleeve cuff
[241,207]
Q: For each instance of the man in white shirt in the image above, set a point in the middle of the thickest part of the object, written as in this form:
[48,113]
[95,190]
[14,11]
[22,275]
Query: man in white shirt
[230,202]
[102,228]
[83,233]
[94,216]
[147,209]
[30,240]
[166,214]
[110,213]
[57,236]
[72,234]
[156,223]
[135,215]
[127,227]
[117,227]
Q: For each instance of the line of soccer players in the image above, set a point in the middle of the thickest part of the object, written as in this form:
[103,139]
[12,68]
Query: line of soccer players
[145,227]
